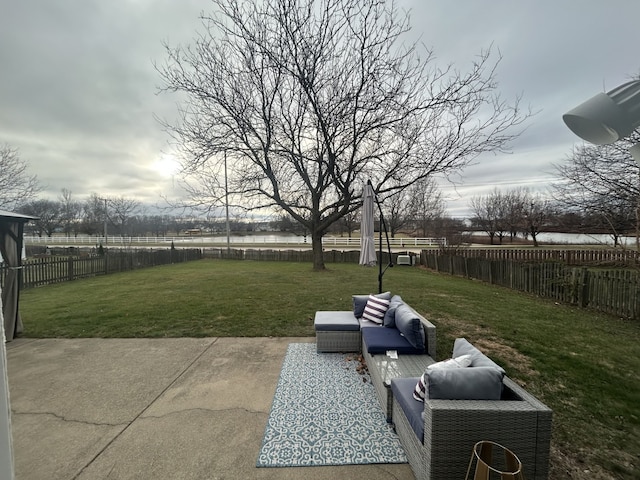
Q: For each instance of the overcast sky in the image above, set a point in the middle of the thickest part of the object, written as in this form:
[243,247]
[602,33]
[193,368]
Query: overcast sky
[78,89]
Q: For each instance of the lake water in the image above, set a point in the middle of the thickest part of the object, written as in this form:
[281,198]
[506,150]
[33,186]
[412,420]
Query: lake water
[250,239]
[560,238]
[578,238]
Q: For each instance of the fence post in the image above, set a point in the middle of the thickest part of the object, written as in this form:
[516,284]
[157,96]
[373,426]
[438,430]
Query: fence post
[70,268]
[581,286]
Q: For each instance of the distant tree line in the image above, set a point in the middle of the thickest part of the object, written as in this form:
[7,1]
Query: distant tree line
[517,213]
[510,214]
[504,215]
[601,184]
[597,191]
[120,216]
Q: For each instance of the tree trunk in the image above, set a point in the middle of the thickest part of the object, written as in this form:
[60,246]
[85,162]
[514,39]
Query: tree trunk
[318,255]
[638,227]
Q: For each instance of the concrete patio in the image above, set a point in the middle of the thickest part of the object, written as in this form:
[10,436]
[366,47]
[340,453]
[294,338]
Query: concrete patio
[179,408]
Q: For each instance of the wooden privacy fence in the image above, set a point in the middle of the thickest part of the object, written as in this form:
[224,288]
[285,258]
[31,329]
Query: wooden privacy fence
[568,256]
[54,269]
[268,255]
[611,291]
[330,256]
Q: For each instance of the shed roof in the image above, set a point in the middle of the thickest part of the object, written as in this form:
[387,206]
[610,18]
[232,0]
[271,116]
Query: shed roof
[15,217]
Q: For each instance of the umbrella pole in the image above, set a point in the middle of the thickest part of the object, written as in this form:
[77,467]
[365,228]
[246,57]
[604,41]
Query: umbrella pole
[383,224]
[380,271]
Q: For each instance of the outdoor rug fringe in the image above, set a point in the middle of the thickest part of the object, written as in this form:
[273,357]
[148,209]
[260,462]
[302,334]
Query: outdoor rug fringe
[325,412]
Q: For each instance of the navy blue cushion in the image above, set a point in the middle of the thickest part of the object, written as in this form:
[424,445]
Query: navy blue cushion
[390,315]
[380,339]
[402,389]
[409,324]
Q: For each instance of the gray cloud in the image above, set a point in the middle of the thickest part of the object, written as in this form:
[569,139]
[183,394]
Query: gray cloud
[78,88]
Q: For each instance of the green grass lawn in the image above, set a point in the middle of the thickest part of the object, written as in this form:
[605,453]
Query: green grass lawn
[584,365]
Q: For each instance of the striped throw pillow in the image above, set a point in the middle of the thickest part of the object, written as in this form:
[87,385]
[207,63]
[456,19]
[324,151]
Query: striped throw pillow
[375,309]
[421,388]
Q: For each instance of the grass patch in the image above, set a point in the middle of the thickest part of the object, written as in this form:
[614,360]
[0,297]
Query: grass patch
[584,365]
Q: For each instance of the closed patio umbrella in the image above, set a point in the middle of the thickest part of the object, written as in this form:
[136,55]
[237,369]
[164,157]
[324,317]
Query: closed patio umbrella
[11,230]
[367,242]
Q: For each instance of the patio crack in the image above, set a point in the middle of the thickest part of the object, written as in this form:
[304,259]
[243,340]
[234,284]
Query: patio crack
[72,420]
[148,406]
[202,409]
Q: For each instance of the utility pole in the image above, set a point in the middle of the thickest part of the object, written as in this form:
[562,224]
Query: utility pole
[105,221]
[226,201]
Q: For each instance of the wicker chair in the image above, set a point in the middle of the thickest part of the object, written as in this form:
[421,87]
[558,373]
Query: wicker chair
[452,427]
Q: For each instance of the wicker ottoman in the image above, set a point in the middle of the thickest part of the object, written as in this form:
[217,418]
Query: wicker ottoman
[337,332]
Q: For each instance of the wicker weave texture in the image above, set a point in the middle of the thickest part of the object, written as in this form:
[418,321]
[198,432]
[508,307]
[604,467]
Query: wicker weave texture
[452,427]
[338,341]
[382,369]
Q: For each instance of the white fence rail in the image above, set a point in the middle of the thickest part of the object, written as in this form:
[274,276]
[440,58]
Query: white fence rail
[298,241]
[394,242]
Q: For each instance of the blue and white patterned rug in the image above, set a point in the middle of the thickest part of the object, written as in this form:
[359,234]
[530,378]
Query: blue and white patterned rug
[325,413]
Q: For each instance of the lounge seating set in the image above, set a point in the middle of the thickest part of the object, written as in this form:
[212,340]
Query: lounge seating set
[440,410]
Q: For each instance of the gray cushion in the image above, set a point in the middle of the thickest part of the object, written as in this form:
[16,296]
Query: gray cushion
[421,385]
[360,301]
[409,324]
[390,315]
[472,383]
[335,321]
[461,346]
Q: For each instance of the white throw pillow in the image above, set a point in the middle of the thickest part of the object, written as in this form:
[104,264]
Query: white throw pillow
[463,361]
[420,391]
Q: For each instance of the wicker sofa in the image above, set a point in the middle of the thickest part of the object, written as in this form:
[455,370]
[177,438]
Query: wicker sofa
[348,331]
[450,428]
[383,367]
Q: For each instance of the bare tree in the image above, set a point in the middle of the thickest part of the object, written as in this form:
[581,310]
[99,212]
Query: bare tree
[515,211]
[120,212]
[489,214]
[454,231]
[396,212]
[205,191]
[70,212]
[94,215]
[349,223]
[425,205]
[537,210]
[603,181]
[17,186]
[514,206]
[48,213]
[415,207]
[310,99]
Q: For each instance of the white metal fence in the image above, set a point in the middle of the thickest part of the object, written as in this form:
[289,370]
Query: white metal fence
[353,242]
